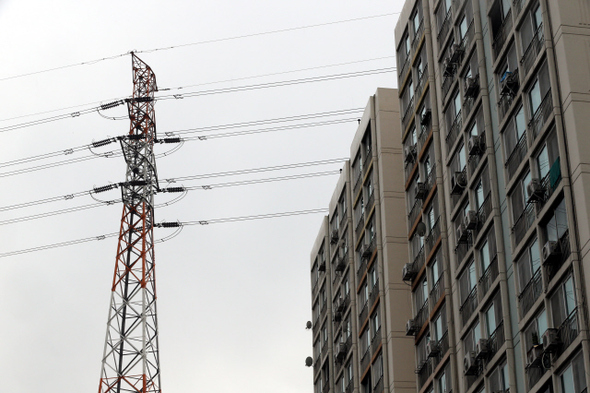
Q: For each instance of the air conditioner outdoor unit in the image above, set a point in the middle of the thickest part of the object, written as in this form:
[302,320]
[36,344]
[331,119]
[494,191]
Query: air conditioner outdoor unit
[322,266]
[425,117]
[337,316]
[471,86]
[340,305]
[471,220]
[458,183]
[410,153]
[411,328]
[408,272]
[341,351]
[340,264]
[551,340]
[457,52]
[509,84]
[462,234]
[470,364]
[420,191]
[475,145]
[534,356]
[536,191]
[432,348]
[482,349]
[334,236]
[551,252]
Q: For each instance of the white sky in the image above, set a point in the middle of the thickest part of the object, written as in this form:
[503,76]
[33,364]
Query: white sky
[233,297]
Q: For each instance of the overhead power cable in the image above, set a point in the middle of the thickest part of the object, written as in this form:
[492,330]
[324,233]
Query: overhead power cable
[216,40]
[164,225]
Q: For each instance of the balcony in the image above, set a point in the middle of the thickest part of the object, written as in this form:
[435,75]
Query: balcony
[522,224]
[361,270]
[364,313]
[530,293]
[444,28]
[469,35]
[446,85]
[374,293]
[424,371]
[424,133]
[454,131]
[496,339]
[502,34]
[357,174]
[422,315]
[418,35]
[368,158]
[517,155]
[541,115]
[550,182]
[564,250]
[422,78]
[462,249]
[370,201]
[474,159]
[468,307]
[438,291]
[408,114]
[432,237]
[404,70]
[504,105]
[414,213]
[409,169]
[484,211]
[418,261]
[488,277]
[533,50]
[443,345]
[365,359]
[567,332]
[375,341]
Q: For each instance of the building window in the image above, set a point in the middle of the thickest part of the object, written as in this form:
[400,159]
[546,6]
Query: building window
[572,379]
[499,381]
[534,331]
[563,302]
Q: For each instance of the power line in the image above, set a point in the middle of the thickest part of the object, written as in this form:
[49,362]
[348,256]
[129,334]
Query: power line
[187,223]
[95,61]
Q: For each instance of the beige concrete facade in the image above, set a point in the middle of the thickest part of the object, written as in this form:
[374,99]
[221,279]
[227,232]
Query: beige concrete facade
[359,302]
[494,99]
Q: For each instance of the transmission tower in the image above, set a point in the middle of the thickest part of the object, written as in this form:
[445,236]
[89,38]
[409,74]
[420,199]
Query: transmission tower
[131,361]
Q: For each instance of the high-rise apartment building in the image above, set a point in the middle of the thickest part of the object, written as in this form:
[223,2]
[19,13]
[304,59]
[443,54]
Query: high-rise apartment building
[359,302]
[495,105]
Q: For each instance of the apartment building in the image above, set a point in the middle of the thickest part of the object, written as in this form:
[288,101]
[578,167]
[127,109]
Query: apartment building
[359,302]
[494,103]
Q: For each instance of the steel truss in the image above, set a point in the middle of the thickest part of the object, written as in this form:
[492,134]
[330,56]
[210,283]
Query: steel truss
[131,361]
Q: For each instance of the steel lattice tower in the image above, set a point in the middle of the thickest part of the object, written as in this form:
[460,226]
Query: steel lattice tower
[131,360]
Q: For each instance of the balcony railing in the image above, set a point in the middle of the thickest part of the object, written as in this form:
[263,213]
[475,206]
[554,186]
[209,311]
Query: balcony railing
[530,293]
[404,69]
[367,161]
[475,159]
[516,156]
[533,50]
[443,345]
[364,312]
[484,211]
[462,249]
[359,224]
[317,363]
[409,168]
[422,78]
[497,338]
[374,293]
[517,5]
[425,132]
[468,306]
[375,341]
[504,105]
[358,175]
[567,332]
[379,386]
[444,28]
[541,115]
[502,34]
[550,182]
[418,35]
[414,213]
[418,260]
[422,315]
[469,35]
[365,359]
[408,114]
[349,387]
[446,85]
[564,250]
[522,224]
[438,291]
[370,201]
[488,277]
[432,237]
[424,371]
[362,268]
[454,131]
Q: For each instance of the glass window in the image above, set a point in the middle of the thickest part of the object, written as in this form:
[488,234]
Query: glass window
[572,379]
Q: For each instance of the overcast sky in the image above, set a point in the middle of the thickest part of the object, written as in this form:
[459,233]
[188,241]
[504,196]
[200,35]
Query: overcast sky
[233,298]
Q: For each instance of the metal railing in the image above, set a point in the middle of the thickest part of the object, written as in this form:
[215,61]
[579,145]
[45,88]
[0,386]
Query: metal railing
[424,371]
[364,312]
[567,332]
[365,359]
[474,160]
[422,315]
[469,305]
[409,168]
[541,115]
[469,35]
[454,131]
[517,5]
[433,236]
[564,249]
[368,158]
[375,341]
[404,70]
[484,211]
[497,338]
[462,249]
[443,346]
[502,34]
[533,50]
[550,182]
[425,132]
[358,175]
[370,201]
[409,112]
[374,293]
[530,293]
[438,290]
[488,277]
[522,224]
[414,212]
[418,260]
[349,387]
[359,224]
[418,35]
[517,155]
[362,268]
[422,78]
[444,28]
[504,105]
[379,386]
